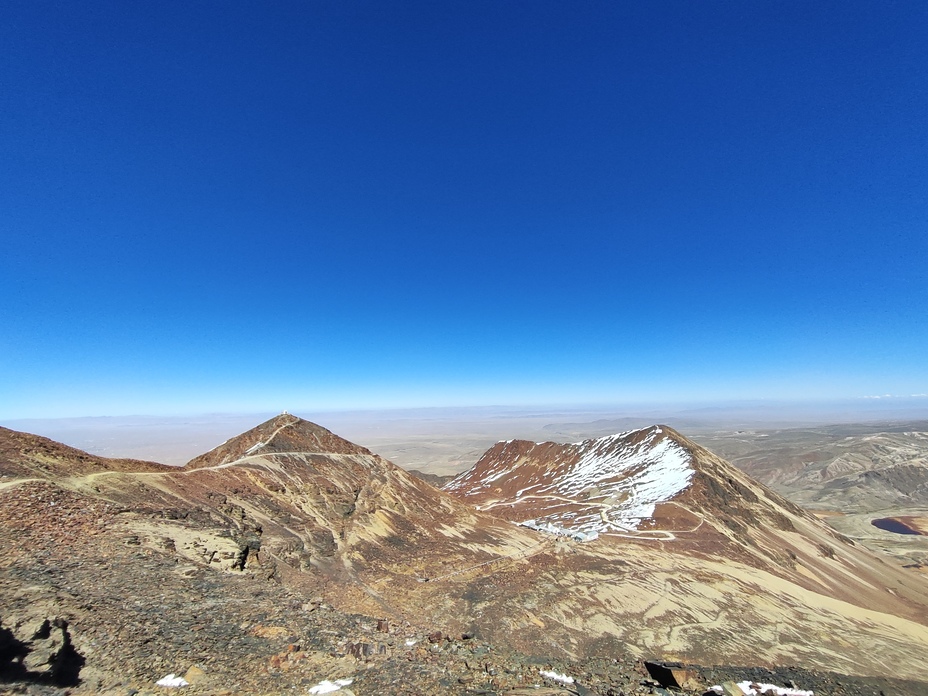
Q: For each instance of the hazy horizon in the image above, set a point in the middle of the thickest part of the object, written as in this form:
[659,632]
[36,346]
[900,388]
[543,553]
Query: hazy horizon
[453,436]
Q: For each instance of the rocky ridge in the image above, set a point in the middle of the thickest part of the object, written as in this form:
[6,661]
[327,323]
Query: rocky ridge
[23,455]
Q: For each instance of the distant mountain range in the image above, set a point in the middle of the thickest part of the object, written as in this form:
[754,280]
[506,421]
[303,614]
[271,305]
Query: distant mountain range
[850,467]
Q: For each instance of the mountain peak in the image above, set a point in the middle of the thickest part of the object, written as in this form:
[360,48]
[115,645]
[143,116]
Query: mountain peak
[281,434]
[611,483]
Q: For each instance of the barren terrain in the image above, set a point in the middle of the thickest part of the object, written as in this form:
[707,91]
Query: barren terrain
[141,569]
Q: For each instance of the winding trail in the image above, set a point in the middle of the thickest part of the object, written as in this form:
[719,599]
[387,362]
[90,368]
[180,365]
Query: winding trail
[17,482]
[524,553]
[258,445]
[179,471]
[511,503]
[647,535]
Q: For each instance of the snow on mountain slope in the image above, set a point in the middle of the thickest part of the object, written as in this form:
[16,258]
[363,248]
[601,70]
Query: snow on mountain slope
[608,484]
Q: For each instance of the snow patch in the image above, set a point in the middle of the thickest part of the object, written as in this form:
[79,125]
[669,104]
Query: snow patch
[327,687]
[749,688]
[549,528]
[527,488]
[563,678]
[491,479]
[172,681]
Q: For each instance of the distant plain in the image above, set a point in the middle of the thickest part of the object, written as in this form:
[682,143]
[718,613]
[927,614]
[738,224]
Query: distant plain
[450,440]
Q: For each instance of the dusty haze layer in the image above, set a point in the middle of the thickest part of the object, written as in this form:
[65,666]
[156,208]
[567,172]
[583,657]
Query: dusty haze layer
[449,440]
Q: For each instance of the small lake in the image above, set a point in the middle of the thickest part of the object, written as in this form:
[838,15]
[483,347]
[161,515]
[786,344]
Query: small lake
[889,524]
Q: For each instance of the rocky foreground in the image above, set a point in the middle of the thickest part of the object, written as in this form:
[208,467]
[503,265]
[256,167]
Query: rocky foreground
[85,611]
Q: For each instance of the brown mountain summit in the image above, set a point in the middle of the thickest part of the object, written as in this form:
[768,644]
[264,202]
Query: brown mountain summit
[281,434]
[649,482]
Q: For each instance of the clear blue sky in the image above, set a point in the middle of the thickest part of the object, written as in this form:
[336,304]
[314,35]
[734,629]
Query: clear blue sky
[232,206]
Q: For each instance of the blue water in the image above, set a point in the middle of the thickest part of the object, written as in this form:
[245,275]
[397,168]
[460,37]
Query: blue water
[888,524]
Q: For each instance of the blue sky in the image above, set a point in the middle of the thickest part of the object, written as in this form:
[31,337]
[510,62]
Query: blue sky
[247,206]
